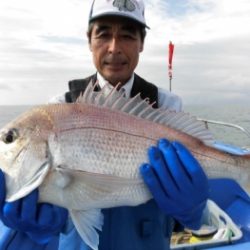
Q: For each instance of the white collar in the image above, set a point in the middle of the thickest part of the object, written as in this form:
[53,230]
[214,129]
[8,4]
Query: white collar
[126,87]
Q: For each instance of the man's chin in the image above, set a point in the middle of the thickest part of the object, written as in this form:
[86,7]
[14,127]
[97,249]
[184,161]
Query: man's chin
[114,78]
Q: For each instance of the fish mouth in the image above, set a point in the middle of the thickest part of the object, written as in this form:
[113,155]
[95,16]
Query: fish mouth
[32,184]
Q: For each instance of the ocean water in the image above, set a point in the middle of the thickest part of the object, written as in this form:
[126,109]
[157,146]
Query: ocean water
[8,113]
[236,114]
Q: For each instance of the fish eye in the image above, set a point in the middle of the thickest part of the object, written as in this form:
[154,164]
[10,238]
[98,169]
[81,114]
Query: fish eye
[10,136]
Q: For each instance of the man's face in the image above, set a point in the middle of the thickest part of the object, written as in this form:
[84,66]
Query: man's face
[115,44]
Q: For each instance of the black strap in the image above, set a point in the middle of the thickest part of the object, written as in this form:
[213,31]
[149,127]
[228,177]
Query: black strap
[146,89]
[78,86]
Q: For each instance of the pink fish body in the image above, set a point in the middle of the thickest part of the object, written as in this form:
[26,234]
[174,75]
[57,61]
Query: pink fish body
[86,156]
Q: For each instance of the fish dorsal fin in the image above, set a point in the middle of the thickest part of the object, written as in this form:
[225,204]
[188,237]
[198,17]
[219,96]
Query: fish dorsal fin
[86,223]
[114,99]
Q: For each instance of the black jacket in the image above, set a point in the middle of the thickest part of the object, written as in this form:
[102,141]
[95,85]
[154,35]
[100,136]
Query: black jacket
[146,89]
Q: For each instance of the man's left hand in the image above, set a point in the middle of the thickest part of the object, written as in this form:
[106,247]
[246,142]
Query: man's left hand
[177,182]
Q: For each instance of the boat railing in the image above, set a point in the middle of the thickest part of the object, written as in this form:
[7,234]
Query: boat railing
[229,147]
[245,131]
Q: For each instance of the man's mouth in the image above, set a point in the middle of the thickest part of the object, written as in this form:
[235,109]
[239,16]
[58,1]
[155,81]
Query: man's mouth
[115,65]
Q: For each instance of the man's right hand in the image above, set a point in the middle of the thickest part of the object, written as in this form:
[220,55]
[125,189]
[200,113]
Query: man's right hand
[40,221]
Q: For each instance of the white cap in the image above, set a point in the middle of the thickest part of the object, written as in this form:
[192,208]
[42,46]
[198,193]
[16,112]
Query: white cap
[132,9]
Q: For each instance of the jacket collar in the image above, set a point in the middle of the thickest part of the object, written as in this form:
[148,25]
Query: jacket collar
[127,87]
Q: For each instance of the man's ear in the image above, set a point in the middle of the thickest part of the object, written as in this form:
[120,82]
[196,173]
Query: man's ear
[89,40]
[142,47]
[90,47]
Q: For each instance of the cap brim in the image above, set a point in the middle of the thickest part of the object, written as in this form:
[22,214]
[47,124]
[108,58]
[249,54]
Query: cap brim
[118,15]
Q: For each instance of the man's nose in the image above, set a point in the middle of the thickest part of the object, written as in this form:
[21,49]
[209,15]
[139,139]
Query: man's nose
[114,46]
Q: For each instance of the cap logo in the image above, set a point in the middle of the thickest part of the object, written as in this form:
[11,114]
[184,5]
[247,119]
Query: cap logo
[124,5]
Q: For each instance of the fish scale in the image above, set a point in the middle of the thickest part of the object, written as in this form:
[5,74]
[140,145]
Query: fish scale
[98,153]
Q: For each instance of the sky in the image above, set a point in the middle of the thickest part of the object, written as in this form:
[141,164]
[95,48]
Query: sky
[43,45]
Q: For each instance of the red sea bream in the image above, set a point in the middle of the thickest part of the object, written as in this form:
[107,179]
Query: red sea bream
[86,156]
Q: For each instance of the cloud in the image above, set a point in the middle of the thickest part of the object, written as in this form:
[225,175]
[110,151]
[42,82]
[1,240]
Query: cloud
[5,87]
[195,21]
[43,45]
[211,48]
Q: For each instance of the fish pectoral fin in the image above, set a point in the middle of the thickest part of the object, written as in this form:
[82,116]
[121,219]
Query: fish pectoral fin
[32,184]
[86,223]
[105,182]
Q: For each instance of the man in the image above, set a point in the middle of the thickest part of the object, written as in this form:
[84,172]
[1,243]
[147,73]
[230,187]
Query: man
[178,184]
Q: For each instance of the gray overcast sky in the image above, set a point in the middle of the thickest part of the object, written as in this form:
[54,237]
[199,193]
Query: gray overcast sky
[43,45]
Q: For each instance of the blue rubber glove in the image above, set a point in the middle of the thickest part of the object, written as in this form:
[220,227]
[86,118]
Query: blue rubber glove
[40,221]
[177,182]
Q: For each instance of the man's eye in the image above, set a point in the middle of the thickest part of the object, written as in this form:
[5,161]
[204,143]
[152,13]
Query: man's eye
[10,136]
[102,35]
[128,37]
